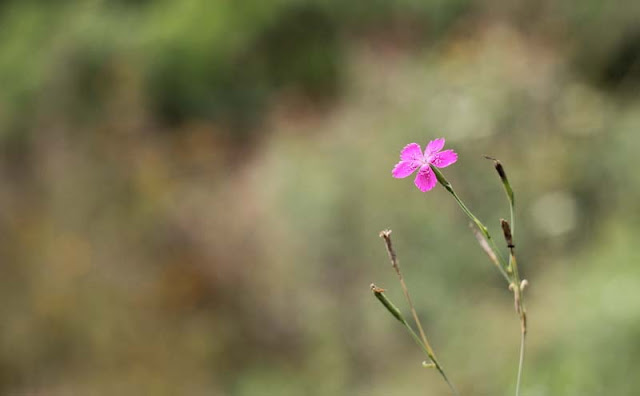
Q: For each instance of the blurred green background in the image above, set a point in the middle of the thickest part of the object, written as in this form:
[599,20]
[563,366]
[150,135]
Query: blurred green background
[191,194]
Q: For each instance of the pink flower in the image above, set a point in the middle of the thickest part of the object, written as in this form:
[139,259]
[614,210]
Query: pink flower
[411,158]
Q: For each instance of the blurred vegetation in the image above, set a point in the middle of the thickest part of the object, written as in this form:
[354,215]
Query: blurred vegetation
[192,193]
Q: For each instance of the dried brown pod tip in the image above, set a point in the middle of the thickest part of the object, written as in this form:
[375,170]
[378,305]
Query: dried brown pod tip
[506,230]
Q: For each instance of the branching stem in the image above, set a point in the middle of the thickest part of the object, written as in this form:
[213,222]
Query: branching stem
[379,293]
[422,340]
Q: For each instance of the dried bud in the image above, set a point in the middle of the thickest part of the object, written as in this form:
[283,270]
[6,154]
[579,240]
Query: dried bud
[506,230]
[499,168]
[503,176]
[386,235]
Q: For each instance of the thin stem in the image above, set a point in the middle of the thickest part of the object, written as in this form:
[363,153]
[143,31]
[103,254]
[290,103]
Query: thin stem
[512,218]
[511,275]
[507,188]
[386,235]
[423,341]
[445,183]
[520,309]
[431,356]
[446,379]
[521,362]
[517,287]
[492,255]
[481,226]
[379,294]
[495,249]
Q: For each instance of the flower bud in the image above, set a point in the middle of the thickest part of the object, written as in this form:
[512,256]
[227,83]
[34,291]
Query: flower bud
[378,292]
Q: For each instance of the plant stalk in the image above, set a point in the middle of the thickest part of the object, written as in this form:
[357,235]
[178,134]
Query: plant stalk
[386,235]
[520,362]
[379,294]
[445,183]
[509,270]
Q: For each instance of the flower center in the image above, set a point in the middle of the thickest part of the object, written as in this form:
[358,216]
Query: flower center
[426,160]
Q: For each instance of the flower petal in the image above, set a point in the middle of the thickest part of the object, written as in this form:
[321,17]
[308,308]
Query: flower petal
[404,169]
[433,147]
[444,158]
[425,180]
[411,152]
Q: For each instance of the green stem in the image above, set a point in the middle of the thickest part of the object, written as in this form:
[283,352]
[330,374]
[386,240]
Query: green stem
[386,235]
[507,188]
[445,183]
[511,267]
[513,219]
[513,264]
[521,362]
[379,294]
[432,358]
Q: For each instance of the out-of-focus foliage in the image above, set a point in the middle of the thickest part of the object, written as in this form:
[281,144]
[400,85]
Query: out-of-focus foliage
[192,192]
[192,59]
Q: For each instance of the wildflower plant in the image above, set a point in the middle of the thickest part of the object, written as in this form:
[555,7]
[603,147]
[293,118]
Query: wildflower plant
[428,164]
